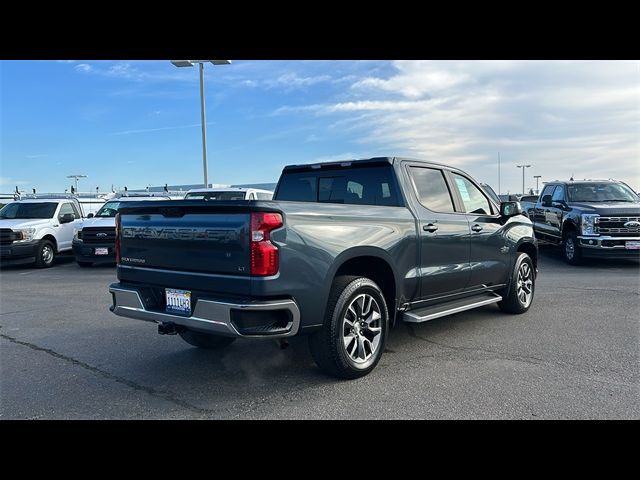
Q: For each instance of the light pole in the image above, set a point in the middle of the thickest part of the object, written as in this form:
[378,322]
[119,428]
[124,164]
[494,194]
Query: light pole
[523,167]
[537,177]
[76,177]
[190,63]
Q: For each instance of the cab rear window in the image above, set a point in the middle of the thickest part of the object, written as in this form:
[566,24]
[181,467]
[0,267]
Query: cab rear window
[355,186]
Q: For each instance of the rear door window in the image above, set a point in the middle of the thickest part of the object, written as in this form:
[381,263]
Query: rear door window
[431,188]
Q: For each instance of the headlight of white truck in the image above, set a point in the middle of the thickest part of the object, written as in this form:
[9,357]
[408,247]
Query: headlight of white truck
[588,224]
[77,233]
[25,234]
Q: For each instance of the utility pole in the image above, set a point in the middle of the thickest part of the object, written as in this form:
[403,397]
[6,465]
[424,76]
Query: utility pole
[523,167]
[76,178]
[537,177]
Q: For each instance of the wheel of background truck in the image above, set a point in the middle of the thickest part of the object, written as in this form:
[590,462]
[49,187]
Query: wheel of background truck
[205,340]
[85,264]
[45,255]
[571,251]
[519,296]
[354,333]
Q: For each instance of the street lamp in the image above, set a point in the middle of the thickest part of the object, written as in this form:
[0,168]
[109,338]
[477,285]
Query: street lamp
[537,177]
[76,177]
[523,167]
[190,63]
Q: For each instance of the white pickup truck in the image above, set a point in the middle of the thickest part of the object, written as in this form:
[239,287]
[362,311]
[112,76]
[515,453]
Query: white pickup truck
[229,193]
[94,240]
[35,230]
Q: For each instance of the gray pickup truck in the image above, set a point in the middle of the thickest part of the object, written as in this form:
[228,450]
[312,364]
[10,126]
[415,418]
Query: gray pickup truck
[343,252]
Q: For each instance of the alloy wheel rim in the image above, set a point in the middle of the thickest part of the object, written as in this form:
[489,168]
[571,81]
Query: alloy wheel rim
[525,284]
[47,254]
[569,248]
[361,328]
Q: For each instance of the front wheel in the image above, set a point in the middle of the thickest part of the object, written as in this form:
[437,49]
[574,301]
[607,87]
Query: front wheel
[519,296]
[571,249]
[45,255]
[354,333]
[205,340]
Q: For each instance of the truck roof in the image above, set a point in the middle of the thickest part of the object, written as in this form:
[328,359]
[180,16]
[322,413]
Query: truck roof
[227,189]
[610,180]
[361,162]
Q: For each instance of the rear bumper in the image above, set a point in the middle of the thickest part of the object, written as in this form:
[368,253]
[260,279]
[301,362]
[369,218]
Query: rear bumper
[86,252]
[608,247]
[19,252]
[209,315]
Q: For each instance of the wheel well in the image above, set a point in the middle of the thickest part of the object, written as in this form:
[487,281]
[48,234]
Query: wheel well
[52,239]
[530,250]
[377,270]
[568,227]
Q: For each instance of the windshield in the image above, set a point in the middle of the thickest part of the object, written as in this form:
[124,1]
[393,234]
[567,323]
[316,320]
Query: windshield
[215,196]
[601,192]
[109,209]
[28,210]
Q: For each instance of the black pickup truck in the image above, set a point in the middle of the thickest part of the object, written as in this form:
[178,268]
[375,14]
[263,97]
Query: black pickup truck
[589,218]
[343,252]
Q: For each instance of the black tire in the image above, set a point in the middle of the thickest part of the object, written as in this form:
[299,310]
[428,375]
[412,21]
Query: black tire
[205,340]
[571,251]
[511,301]
[46,254]
[85,264]
[328,345]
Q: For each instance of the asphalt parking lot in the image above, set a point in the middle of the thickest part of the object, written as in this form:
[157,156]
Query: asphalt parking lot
[574,355]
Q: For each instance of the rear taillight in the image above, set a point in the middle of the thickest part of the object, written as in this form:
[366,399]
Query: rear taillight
[264,254]
[117,247]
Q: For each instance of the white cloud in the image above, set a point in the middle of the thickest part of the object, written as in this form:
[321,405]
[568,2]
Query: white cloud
[563,117]
[83,67]
[11,182]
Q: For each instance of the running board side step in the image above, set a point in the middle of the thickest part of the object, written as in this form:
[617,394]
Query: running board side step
[443,309]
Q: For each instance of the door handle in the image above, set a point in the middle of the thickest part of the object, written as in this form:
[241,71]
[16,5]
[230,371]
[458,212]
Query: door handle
[476,228]
[430,227]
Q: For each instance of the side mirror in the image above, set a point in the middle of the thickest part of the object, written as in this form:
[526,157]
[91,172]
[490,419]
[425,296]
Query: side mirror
[546,201]
[90,215]
[66,218]
[510,209]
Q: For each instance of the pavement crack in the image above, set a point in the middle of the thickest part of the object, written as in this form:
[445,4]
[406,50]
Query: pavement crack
[103,373]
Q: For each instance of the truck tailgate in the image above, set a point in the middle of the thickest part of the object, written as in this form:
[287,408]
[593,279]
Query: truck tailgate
[186,236]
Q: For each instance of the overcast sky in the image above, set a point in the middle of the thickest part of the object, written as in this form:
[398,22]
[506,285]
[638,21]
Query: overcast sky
[137,122]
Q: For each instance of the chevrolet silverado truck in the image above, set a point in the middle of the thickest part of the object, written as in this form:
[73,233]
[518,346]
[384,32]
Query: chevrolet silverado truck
[343,252]
[37,229]
[588,218]
[94,241]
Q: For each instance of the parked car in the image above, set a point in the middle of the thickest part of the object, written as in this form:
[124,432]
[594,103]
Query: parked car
[528,203]
[94,240]
[590,218]
[344,251]
[35,230]
[229,193]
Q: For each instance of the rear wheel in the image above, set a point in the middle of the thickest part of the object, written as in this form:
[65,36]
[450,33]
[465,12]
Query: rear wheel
[205,340]
[519,296]
[45,254]
[354,333]
[571,249]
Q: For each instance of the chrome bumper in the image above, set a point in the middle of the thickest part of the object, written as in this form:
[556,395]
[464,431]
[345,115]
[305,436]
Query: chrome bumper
[597,241]
[208,316]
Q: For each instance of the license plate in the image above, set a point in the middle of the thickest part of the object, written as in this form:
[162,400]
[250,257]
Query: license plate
[633,245]
[102,251]
[178,301]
